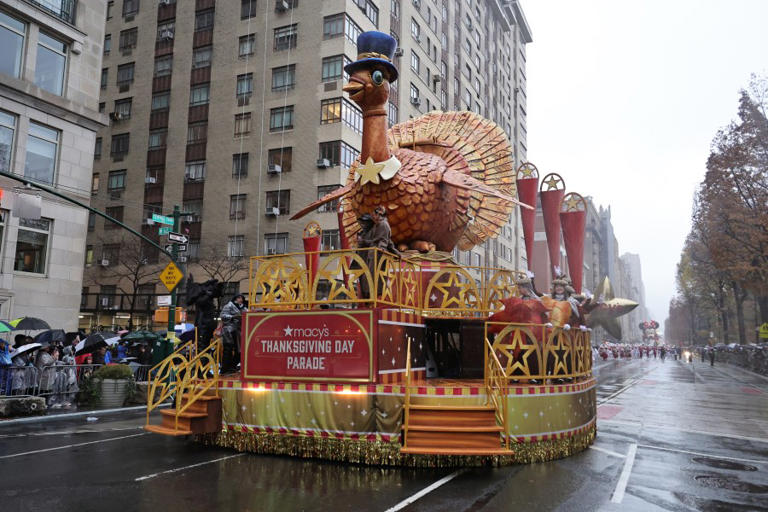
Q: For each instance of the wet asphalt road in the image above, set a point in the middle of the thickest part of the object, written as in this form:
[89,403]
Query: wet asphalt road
[671,436]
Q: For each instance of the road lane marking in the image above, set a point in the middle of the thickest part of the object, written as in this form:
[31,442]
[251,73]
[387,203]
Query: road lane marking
[426,491]
[754,461]
[68,432]
[174,470]
[621,485]
[68,415]
[71,446]
[687,431]
[609,452]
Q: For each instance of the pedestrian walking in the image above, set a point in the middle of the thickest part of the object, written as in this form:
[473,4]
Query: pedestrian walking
[711,357]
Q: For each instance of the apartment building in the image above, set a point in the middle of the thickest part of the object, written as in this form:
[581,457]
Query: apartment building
[234,110]
[49,89]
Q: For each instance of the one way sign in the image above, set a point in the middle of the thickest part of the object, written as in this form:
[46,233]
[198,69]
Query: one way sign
[178,238]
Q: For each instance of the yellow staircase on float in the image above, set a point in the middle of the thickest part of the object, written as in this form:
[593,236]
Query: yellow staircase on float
[458,430]
[197,403]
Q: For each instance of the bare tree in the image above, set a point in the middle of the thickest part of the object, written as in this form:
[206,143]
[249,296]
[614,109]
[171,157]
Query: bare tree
[216,264]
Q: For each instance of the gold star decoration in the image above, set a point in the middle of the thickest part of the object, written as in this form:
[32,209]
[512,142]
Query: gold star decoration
[454,291]
[520,353]
[370,172]
[573,204]
[527,172]
[552,183]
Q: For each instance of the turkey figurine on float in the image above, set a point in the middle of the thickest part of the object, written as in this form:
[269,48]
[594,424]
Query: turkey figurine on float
[445,178]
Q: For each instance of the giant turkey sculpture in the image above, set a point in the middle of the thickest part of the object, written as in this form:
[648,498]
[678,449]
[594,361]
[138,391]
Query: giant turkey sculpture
[445,178]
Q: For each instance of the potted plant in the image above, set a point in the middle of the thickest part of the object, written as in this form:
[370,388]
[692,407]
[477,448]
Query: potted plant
[111,385]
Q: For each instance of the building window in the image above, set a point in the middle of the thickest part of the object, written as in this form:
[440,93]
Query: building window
[323,191]
[157,139]
[394,8]
[392,115]
[195,209]
[125,74]
[108,292]
[51,64]
[116,212]
[130,7]
[330,240]
[242,124]
[7,131]
[42,150]
[415,30]
[95,183]
[120,145]
[351,30]
[161,101]
[32,245]
[116,181]
[370,10]
[237,206]
[282,157]
[193,249]
[333,26]
[280,199]
[333,67]
[284,77]
[96,148]
[276,243]
[88,261]
[197,132]
[468,98]
[443,99]
[123,108]
[129,39]
[199,95]
[281,118]
[244,88]
[235,246]
[110,6]
[338,153]
[415,62]
[204,20]
[194,171]
[414,94]
[330,111]
[163,65]
[247,9]
[201,57]
[240,165]
[107,44]
[247,45]
[104,77]
[285,37]
[91,222]
[12,33]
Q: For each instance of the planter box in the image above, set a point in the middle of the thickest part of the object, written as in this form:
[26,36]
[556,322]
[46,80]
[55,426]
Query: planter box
[113,392]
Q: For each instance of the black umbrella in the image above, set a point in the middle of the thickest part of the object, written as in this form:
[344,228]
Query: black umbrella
[70,337]
[92,342]
[187,336]
[29,323]
[51,336]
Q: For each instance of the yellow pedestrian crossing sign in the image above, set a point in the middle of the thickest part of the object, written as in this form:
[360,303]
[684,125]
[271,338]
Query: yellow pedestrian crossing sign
[764,330]
[171,276]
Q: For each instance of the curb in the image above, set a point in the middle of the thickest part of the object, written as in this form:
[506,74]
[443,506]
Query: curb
[70,415]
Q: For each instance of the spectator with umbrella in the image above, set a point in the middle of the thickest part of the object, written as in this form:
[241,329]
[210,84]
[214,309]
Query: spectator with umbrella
[25,373]
[46,359]
[5,367]
[51,337]
[29,323]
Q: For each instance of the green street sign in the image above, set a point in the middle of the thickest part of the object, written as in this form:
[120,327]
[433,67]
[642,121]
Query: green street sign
[162,219]
[165,230]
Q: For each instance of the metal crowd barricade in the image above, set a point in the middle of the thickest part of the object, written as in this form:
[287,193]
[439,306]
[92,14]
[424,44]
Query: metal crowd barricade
[50,381]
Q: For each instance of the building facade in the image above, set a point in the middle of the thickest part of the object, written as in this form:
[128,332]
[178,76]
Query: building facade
[234,111]
[49,89]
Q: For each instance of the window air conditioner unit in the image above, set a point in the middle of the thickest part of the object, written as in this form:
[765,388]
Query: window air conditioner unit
[115,195]
[148,222]
[399,52]
[166,34]
[273,210]
[281,6]
[105,302]
[189,218]
[150,180]
[115,116]
[436,78]
[271,252]
[165,2]
[104,263]
[323,163]
[416,102]
[274,169]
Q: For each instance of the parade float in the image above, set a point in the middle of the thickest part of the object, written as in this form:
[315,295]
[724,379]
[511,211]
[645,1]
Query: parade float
[391,353]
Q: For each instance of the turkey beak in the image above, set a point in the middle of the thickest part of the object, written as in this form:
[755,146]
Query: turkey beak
[354,87]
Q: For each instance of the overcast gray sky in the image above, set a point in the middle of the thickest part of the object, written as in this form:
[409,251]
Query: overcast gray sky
[624,98]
